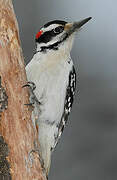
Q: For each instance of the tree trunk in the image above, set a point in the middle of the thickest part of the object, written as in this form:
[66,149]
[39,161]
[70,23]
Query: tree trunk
[18,161]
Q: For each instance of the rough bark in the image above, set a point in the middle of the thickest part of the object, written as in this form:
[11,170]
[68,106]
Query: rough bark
[17,135]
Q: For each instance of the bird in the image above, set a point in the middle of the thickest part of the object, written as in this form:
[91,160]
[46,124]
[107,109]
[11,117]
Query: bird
[52,80]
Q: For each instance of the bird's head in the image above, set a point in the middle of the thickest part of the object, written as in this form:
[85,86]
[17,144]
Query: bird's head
[57,34]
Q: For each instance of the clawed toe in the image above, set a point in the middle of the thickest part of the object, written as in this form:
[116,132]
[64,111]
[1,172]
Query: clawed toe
[33,99]
[31,85]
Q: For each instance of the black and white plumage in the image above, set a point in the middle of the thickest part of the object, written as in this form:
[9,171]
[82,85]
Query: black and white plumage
[70,91]
[52,71]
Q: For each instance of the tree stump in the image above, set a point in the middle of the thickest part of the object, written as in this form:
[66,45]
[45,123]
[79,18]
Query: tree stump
[18,161]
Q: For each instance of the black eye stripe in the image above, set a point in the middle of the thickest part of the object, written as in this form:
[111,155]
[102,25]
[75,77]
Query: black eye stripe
[47,36]
[59,29]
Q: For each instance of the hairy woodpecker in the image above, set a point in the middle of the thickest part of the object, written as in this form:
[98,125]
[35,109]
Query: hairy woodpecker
[52,71]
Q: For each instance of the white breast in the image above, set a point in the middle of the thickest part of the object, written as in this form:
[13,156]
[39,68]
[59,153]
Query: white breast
[51,79]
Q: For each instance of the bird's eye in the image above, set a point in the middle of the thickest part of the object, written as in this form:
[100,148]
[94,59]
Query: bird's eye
[58,29]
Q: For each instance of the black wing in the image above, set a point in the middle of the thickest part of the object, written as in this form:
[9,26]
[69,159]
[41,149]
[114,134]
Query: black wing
[68,103]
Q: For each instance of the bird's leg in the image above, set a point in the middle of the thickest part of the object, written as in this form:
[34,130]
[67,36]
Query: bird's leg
[34,103]
[35,114]
[33,99]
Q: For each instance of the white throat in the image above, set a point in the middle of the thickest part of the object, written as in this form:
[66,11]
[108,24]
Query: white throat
[63,50]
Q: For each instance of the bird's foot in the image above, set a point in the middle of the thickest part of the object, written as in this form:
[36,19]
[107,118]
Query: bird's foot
[33,99]
[31,85]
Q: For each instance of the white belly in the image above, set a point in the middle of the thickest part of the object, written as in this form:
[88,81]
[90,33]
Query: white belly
[51,82]
[53,99]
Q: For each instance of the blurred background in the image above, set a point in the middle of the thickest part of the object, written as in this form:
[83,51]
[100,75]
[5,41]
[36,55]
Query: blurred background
[88,148]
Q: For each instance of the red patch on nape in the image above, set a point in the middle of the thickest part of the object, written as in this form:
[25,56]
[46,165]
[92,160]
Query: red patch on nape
[39,34]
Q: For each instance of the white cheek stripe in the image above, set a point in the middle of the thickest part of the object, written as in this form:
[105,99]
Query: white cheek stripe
[54,40]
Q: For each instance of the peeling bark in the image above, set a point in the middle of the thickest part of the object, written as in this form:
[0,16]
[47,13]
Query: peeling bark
[17,135]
